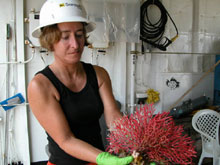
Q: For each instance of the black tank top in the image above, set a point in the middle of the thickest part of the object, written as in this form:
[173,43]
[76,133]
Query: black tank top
[82,110]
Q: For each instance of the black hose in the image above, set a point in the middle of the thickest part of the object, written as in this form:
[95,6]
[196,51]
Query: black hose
[152,33]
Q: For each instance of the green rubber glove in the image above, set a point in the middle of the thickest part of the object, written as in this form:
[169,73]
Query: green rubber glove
[106,158]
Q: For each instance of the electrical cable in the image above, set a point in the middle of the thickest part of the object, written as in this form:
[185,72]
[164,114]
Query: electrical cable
[152,33]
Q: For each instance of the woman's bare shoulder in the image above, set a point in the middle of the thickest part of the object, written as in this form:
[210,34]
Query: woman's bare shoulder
[100,71]
[41,86]
[102,75]
[39,82]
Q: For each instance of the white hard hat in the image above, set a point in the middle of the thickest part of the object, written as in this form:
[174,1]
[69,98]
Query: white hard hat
[59,11]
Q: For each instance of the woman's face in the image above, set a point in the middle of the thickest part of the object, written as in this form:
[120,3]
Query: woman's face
[71,44]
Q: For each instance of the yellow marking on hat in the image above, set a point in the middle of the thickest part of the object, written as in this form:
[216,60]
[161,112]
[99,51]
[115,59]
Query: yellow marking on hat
[62,5]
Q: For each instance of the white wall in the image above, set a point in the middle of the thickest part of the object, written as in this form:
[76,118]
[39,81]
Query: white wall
[14,139]
[197,22]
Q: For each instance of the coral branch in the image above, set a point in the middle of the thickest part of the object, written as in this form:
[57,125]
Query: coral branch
[154,137]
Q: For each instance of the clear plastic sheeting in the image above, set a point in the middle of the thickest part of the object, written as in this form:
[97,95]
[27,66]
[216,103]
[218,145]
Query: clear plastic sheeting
[198,25]
[209,17]
[117,21]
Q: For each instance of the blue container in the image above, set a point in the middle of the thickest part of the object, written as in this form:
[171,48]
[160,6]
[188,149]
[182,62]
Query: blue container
[216,100]
[11,102]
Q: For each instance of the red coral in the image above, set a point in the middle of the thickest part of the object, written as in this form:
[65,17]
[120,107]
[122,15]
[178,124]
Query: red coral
[155,137]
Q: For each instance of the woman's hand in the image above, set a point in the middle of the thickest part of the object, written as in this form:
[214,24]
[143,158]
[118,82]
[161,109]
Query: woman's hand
[106,158]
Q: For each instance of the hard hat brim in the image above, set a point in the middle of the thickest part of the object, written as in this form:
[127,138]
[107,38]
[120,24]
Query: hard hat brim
[90,26]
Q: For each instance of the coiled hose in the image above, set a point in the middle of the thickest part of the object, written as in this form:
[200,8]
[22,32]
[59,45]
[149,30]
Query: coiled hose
[152,33]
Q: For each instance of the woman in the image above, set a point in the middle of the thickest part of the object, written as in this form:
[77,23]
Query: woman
[69,96]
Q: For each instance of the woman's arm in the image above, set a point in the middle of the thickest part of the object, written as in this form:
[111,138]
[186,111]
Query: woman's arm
[44,103]
[111,110]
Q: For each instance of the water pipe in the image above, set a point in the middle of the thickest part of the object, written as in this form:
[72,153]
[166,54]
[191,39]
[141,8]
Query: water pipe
[1,140]
[8,38]
[133,75]
[27,42]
